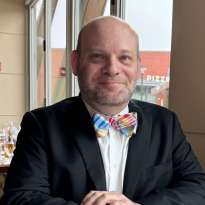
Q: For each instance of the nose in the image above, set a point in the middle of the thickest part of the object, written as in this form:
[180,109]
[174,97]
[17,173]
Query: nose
[112,67]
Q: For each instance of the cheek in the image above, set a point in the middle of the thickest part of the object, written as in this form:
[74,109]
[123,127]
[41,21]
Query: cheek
[93,72]
[89,74]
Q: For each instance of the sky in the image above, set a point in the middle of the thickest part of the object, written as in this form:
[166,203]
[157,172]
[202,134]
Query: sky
[58,28]
[151,19]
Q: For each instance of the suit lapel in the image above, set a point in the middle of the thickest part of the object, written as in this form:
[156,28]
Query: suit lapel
[85,138]
[137,153]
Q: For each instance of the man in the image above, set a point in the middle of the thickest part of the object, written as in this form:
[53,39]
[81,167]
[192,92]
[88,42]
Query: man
[61,157]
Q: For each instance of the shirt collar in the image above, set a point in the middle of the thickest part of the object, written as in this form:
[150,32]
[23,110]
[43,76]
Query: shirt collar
[93,111]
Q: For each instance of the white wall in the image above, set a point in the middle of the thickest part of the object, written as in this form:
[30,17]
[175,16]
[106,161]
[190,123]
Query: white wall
[12,58]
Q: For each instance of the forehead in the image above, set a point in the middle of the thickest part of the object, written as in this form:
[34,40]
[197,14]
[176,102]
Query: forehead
[106,34]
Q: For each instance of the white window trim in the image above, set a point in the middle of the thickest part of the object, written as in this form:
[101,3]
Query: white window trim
[73,27]
[118,8]
[32,58]
[47,54]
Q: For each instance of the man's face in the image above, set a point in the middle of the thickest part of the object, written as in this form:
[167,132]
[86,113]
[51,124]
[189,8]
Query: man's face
[107,64]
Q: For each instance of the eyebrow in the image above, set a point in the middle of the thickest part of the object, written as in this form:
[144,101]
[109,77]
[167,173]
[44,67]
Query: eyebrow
[126,51]
[96,50]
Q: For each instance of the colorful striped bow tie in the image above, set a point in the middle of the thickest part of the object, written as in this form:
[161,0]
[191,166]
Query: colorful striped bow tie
[125,124]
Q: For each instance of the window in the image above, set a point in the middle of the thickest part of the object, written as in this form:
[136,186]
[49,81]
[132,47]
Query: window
[37,73]
[47,48]
[39,45]
[58,49]
[152,21]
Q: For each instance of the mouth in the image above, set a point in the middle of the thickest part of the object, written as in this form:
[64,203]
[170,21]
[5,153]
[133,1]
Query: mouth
[111,86]
[111,82]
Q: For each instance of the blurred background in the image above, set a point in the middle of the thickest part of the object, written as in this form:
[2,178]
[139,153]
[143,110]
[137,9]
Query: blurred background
[37,37]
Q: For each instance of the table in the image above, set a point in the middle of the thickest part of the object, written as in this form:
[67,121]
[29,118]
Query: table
[4,169]
[3,173]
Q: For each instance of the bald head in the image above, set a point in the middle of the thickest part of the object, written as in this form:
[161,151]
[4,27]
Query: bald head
[105,25]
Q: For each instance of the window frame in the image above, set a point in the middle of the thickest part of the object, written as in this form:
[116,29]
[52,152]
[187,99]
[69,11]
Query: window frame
[72,30]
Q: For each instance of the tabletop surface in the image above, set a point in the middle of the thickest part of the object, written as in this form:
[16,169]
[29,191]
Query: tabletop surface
[4,168]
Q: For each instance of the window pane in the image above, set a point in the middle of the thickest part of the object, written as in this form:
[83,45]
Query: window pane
[58,46]
[39,37]
[107,8]
[152,21]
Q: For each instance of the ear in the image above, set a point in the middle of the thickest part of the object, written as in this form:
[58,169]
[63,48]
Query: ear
[74,62]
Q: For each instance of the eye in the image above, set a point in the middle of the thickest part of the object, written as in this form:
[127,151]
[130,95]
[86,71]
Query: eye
[126,59]
[97,57]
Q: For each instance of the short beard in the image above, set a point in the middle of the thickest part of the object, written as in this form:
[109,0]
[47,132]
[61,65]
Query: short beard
[101,96]
[116,99]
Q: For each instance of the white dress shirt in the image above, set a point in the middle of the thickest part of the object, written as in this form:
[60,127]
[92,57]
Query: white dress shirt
[114,148]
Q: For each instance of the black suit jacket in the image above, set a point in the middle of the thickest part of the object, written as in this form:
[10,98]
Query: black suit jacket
[57,160]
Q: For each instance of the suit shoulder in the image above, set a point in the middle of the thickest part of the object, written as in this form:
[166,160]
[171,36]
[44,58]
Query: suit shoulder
[151,109]
[57,108]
